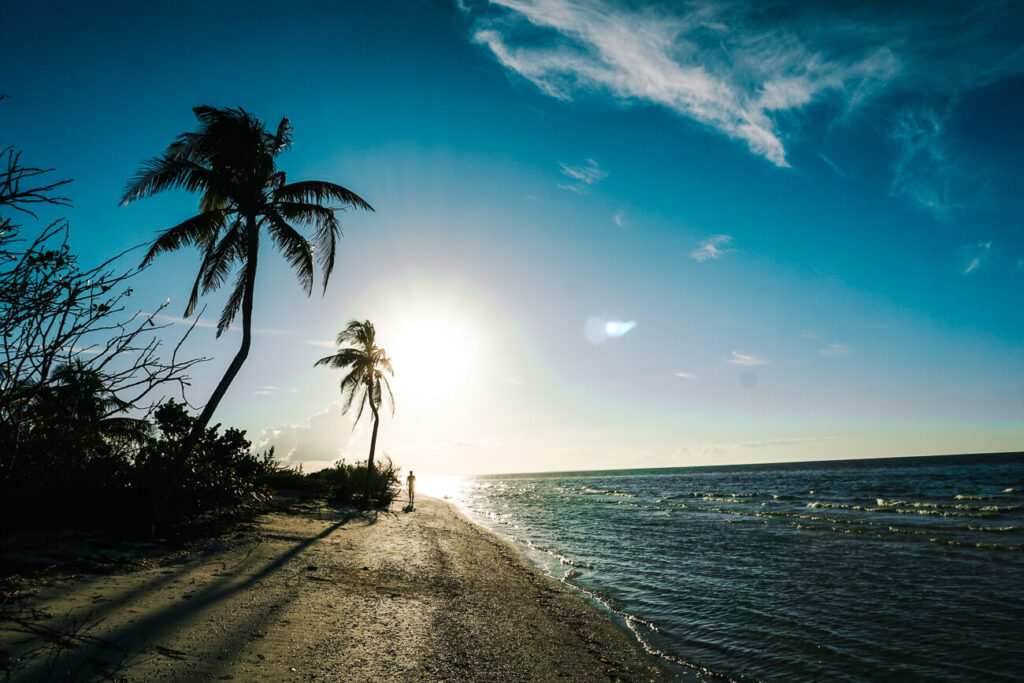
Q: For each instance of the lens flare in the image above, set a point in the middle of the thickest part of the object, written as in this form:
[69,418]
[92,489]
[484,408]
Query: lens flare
[598,329]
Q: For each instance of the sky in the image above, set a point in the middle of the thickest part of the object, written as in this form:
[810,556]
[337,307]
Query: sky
[608,234]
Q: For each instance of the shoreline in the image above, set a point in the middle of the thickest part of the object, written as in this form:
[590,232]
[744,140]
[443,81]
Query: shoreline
[321,593]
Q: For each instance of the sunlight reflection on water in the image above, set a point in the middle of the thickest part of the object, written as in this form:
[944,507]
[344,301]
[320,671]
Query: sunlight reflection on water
[448,488]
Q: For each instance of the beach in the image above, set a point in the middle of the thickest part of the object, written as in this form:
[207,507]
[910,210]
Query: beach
[321,593]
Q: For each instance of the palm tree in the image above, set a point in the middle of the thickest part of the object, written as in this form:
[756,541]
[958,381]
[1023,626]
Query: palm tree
[230,163]
[80,403]
[365,382]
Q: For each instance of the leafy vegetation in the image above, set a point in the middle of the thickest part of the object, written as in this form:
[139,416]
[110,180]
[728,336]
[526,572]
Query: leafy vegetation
[231,163]
[88,435]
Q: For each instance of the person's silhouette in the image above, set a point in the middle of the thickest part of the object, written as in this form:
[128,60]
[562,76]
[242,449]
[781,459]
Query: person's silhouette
[411,482]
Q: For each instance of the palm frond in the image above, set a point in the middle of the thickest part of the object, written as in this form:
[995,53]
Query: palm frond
[168,172]
[233,304]
[283,137]
[295,248]
[320,191]
[218,261]
[199,230]
[391,396]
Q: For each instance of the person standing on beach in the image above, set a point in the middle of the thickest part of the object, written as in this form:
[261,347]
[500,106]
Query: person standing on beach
[411,482]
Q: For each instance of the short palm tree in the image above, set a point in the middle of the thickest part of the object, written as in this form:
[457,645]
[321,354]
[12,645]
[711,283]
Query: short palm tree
[231,163]
[81,403]
[365,381]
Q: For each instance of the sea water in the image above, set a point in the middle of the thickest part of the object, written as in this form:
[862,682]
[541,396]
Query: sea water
[892,569]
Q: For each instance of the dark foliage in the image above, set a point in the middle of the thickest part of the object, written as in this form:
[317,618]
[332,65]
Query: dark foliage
[222,471]
[347,483]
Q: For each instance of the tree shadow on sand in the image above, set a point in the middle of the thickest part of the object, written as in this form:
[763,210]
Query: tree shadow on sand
[71,649]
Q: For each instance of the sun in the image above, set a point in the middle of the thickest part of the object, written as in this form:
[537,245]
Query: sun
[436,354]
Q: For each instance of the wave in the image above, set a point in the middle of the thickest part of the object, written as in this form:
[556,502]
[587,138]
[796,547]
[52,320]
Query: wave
[590,491]
[562,559]
[882,502]
[633,623]
[945,511]
[980,546]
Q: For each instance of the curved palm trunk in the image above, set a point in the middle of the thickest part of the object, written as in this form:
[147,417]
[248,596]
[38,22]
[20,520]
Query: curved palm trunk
[373,445]
[199,426]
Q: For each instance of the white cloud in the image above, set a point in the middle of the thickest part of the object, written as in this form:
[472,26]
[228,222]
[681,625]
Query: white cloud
[713,64]
[684,375]
[589,172]
[745,69]
[765,443]
[976,255]
[833,350]
[584,175]
[619,218]
[712,248]
[322,440]
[578,189]
[744,359]
[322,344]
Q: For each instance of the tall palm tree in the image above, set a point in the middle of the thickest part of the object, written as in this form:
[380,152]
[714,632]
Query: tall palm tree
[365,382]
[231,163]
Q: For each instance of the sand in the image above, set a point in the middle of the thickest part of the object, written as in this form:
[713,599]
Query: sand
[318,593]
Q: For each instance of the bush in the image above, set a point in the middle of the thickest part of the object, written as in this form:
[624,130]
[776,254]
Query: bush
[346,484]
[291,479]
[222,471]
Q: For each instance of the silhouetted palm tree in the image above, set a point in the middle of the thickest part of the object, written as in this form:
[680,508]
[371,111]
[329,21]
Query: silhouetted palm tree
[82,404]
[230,163]
[365,381]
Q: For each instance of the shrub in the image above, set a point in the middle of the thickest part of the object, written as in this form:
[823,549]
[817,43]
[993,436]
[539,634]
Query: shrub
[346,483]
[222,471]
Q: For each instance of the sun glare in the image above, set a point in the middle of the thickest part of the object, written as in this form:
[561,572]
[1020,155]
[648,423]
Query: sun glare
[435,355]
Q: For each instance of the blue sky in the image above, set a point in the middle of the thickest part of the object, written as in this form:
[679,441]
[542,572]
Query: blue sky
[802,223]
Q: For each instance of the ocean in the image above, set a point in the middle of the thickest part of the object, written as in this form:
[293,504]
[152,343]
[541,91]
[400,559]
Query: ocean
[887,569]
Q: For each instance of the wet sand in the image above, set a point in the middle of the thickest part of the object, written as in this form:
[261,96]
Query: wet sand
[318,593]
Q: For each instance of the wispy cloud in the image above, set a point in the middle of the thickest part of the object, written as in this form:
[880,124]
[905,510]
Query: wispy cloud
[793,441]
[619,218]
[176,320]
[741,69]
[683,375]
[833,350]
[589,172]
[712,248]
[976,255]
[738,358]
[583,176]
[322,343]
[834,166]
[717,64]
[922,169]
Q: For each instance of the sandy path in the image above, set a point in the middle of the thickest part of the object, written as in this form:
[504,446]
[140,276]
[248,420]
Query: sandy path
[322,594]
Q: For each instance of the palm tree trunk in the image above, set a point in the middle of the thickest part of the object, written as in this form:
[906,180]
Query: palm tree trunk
[199,426]
[373,445]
